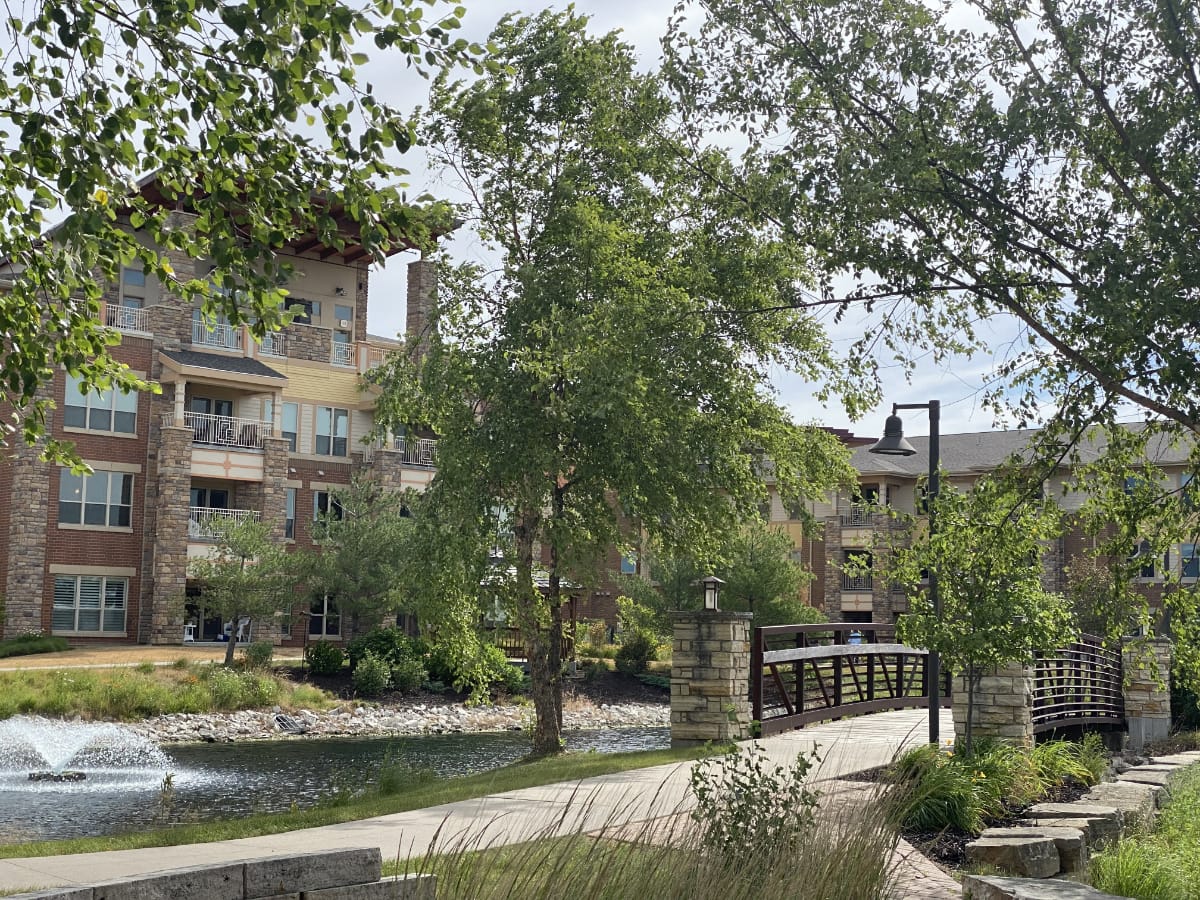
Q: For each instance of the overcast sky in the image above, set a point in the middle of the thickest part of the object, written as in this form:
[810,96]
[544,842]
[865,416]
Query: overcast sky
[643,22]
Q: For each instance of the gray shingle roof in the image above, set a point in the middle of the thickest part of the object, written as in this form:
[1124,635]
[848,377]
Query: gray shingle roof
[985,450]
[241,365]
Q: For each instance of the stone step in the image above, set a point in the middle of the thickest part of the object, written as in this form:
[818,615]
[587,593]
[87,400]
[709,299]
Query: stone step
[991,887]
[1098,831]
[1070,843]
[1033,856]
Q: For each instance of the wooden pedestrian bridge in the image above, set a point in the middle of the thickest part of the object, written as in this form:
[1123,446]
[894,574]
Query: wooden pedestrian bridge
[801,674]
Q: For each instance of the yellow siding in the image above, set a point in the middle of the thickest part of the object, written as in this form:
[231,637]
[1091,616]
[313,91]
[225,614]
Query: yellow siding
[323,385]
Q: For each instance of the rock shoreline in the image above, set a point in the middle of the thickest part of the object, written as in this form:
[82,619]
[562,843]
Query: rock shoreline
[381,721]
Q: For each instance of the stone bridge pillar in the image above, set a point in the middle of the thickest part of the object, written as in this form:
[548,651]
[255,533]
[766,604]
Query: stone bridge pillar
[1003,705]
[1147,691]
[710,677]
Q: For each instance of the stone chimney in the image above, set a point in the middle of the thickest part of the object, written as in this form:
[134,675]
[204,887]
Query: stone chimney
[421,321]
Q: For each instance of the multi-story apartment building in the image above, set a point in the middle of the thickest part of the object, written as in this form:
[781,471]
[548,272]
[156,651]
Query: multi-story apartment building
[856,524]
[241,429]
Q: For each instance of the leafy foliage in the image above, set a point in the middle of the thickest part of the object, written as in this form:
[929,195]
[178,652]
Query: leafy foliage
[356,551]
[637,650]
[246,575]
[239,110]
[743,803]
[371,676]
[985,553]
[258,655]
[28,644]
[324,658]
[594,387]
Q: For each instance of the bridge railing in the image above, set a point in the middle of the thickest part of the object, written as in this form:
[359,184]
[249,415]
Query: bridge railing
[1080,684]
[807,673]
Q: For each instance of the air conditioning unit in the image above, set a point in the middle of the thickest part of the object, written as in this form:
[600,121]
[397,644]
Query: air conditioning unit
[343,323]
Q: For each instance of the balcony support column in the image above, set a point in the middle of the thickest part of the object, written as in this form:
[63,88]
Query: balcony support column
[180,398]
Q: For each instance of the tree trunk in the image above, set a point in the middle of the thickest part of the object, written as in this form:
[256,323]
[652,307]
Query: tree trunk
[973,679]
[232,645]
[543,679]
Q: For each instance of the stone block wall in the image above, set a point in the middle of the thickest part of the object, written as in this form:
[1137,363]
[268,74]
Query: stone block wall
[26,538]
[710,677]
[1003,705]
[308,342]
[174,470]
[421,319]
[1147,668]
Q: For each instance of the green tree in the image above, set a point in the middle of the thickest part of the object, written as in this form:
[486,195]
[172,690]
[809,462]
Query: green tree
[1036,166]
[761,578]
[986,556]
[603,374]
[239,109]
[247,575]
[357,550]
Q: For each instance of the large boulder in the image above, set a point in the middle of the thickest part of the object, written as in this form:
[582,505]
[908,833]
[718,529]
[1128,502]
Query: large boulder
[1032,856]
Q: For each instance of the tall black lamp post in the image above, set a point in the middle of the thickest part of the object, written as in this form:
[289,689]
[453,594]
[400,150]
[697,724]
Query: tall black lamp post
[893,444]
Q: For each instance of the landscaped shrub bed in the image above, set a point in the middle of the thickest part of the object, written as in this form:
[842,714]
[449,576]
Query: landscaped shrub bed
[125,694]
[29,644]
[944,799]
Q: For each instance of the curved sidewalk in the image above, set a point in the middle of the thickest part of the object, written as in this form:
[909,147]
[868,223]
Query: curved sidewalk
[636,795]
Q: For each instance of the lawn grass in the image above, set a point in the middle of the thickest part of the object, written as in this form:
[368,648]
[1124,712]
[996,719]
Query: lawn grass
[531,772]
[128,694]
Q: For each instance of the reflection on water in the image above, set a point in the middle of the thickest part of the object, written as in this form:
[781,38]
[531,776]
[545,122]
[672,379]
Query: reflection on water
[221,781]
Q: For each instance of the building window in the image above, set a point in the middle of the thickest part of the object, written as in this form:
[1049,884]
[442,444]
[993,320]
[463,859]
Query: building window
[89,603]
[1187,490]
[333,428]
[289,521]
[133,288]
[1189,561]
[102,499]
[343,313]
[288,424]
[305,311]
[323,618]
[324,504]
[111,411]
[1143,554]
[629,564]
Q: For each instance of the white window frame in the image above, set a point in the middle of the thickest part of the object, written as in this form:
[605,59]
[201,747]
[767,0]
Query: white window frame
[69,483]
[105,605]
[94,404]
[327,418]
[328,610]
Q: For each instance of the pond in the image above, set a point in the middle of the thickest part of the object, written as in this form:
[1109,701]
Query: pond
[224,781]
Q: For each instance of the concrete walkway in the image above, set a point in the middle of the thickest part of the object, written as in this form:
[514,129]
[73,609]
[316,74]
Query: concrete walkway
[848,746]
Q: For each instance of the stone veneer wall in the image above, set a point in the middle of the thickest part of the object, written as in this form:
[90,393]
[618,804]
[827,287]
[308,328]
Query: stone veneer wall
[29,513]
[308,342]
[169,580]
[1003,708]
[710,677]
[1147,691]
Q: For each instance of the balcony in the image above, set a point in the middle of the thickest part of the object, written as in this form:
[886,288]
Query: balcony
[858,583]
[228,432]
[274,344]
[127,318]
[376,357]
[343,354]
[421,452]
[219,336]
[418,451]
[205,522]
[860,514]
